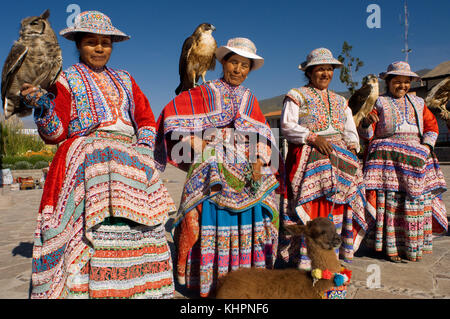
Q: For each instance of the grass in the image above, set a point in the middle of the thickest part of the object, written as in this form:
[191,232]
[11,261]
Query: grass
[17,147]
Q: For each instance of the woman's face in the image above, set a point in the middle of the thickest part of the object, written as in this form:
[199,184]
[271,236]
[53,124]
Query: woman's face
[399,85]
[236,69]
[321,76]
[95,50]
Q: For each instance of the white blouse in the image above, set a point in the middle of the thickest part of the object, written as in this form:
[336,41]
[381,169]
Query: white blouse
[298,134]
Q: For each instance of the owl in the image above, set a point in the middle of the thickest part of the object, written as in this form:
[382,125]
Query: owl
[362,101]
[34,58]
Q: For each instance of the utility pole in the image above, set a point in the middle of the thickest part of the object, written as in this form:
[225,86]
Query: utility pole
[406,50]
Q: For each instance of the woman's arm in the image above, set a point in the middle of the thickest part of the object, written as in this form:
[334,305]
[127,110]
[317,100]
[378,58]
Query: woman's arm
[351,136]
[430,128]
[145,120]
[53,121]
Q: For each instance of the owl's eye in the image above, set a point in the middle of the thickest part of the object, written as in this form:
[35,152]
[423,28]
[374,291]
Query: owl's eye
[34,23]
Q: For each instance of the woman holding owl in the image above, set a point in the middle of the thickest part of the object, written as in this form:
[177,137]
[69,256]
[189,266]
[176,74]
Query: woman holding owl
[100,230]
[401,172]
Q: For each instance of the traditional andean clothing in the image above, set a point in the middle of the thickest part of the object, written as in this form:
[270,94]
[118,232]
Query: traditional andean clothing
[318,185]
[226,220]
[403,179]
[100,230]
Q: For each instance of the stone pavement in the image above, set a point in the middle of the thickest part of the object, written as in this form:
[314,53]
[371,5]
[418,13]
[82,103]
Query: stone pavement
[429,278]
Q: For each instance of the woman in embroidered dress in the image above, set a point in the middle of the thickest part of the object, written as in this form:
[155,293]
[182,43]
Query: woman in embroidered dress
[401,172]
[227,217]
[100,230]
[324,177]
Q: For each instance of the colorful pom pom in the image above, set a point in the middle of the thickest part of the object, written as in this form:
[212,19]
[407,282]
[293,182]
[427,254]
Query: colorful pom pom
[316,273]
[348,273]
[326,274]
[339,280]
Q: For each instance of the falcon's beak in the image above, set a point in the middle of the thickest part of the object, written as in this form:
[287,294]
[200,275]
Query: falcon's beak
[213,28]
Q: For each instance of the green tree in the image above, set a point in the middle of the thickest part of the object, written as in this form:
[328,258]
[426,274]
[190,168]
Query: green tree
[350,66]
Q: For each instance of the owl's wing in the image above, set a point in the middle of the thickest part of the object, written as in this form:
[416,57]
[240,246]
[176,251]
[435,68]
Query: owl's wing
[358,99]
[13,62]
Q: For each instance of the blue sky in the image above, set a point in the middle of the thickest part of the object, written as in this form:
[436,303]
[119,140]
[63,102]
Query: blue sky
[284,33]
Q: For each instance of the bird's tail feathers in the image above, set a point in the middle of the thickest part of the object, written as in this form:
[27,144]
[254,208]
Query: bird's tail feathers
[178,89]
[7,109]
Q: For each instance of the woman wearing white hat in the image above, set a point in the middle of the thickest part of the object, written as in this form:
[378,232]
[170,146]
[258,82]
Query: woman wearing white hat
[228,215]
[324,174]
[401,172]
[100,231]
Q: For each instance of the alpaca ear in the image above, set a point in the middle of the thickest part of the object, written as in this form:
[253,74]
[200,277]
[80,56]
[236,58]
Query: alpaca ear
[296,230]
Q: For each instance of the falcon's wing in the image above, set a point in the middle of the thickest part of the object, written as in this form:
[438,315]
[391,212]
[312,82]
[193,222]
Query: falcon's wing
[187,45]
[439,95]
[358,98]
[13,62]
[212,63]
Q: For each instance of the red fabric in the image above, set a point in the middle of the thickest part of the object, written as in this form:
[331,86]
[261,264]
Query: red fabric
[321,207]
[429,121]
[62,104]
[291,165]
[189,233]
[143,113]
[55,176]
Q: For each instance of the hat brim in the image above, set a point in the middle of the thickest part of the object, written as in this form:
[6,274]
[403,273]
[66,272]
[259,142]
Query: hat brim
[306,65]
[258,61]
[116,35]
[412,75]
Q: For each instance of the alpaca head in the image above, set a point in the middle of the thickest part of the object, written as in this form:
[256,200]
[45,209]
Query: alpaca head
[320,231]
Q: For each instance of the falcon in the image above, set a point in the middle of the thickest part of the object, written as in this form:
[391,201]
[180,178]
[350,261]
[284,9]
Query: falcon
[197,57]
[439,97]
[362,101]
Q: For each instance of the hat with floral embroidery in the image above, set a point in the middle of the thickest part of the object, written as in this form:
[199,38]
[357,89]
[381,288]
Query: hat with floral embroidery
[399,68]
[93,22]
[319,56]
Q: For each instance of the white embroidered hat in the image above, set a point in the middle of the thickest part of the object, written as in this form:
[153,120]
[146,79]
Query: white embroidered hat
[93,22]
[319,56]
[243,47]
[399,68]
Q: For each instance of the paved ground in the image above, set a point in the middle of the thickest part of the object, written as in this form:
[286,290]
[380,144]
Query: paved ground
[429,278]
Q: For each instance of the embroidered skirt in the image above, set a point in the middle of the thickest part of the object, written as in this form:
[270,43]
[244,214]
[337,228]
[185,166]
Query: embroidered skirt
[128,262]
[224,223]
[90,180]
[404,185]
[323,186]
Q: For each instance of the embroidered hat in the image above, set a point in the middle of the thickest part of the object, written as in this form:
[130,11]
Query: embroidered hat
[93,22]
[319,56]
[399,68]
[243,47]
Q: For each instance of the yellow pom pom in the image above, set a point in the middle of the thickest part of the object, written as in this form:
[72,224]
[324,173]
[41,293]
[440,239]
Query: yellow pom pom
[316,273]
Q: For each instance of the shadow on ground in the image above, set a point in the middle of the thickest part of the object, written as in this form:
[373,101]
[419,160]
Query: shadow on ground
[24,249]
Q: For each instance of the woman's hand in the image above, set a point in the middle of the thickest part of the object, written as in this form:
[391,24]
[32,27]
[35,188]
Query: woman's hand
[256,171]
[369,120]
[31,94]
[322,145]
